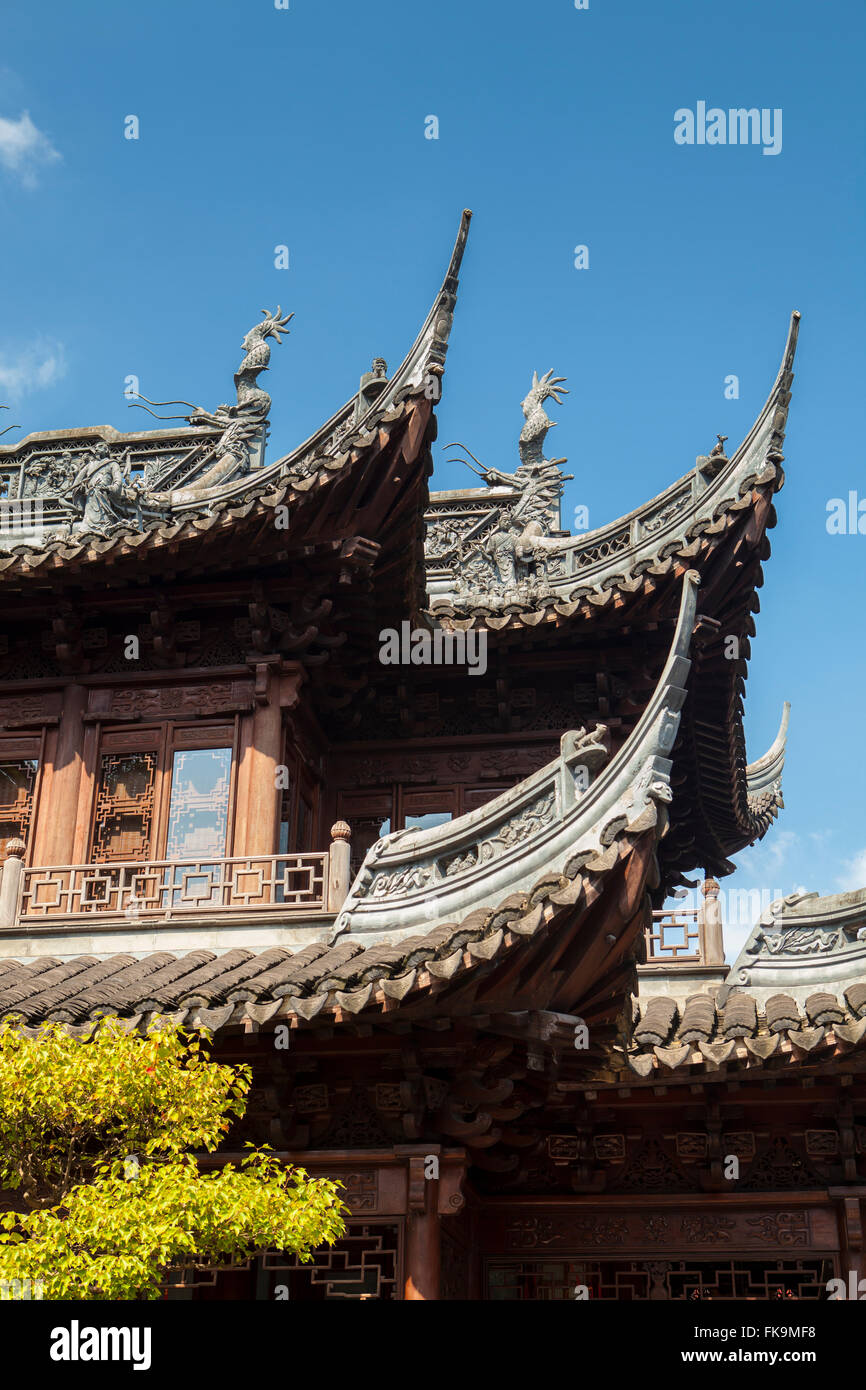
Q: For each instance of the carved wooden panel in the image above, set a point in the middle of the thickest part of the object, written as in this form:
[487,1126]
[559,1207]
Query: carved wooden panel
[17,787]
[633,1229]
[123,818]
[26,711]
[471,767]
[215,697]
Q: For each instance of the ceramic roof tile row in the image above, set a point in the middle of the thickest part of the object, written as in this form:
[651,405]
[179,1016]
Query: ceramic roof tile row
[682,1037]
[319,981]
[289,488]
[632,582]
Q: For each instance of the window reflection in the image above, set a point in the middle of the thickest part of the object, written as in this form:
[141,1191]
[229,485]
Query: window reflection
[425,822]
[197,824]
[199,808]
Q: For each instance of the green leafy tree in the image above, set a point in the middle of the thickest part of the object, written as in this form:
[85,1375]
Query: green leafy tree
[97,1138]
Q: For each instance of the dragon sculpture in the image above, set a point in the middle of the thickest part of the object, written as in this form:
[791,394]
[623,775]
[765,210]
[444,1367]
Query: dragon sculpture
[499,554]
[99,485]
[240,424]
[538,480]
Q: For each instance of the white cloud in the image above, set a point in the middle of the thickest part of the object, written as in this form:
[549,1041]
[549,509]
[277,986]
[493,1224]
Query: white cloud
[30,368]
[853,873]
[24,149]
[776,849]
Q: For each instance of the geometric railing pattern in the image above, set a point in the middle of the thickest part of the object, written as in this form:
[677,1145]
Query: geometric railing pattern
[161,889]
[767,1280]
[675,935]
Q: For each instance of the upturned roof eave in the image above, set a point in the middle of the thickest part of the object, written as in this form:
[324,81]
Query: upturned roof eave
[757,460]
[314,463]
[412,876]
[389,976]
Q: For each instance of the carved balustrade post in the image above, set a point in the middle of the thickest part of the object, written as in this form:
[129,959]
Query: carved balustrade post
[339,874]
[10,882]
[711,929]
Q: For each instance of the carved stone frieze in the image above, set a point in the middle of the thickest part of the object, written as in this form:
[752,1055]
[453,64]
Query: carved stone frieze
[803,941]
[406,880]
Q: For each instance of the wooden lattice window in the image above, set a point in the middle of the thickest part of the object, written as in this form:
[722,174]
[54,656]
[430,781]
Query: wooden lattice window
[199,807]
[123,820]
[363,1264]
[164,793]
[17,790]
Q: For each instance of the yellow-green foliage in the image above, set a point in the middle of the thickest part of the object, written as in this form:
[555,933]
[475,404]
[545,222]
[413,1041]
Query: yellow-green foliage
[94,1136]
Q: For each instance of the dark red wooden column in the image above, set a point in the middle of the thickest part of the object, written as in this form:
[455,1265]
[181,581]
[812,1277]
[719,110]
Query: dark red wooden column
[56,832]
[423,1255]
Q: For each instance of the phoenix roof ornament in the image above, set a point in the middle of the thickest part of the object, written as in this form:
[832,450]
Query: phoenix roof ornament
[243,425]
[538,480]
[253,403]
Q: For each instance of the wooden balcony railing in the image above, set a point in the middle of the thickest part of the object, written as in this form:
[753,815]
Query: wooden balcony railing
[675,936]
[688,935]
[161,890]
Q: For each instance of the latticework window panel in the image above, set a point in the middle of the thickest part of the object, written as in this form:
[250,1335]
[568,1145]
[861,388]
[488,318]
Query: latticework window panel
[17,785]
[123,818]
[363,1264]
[682,1280]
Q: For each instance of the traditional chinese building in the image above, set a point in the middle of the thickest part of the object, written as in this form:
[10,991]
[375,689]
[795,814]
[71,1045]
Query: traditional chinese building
[424,897]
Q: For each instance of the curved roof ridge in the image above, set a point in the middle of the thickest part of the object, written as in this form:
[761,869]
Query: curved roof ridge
[775,754]
[427,351]
[781,386]
[330,445]
[801,943]
[764,775]
[538,826]
[611,554]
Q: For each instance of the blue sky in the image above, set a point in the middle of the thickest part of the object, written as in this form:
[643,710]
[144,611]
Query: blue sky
[305,127]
